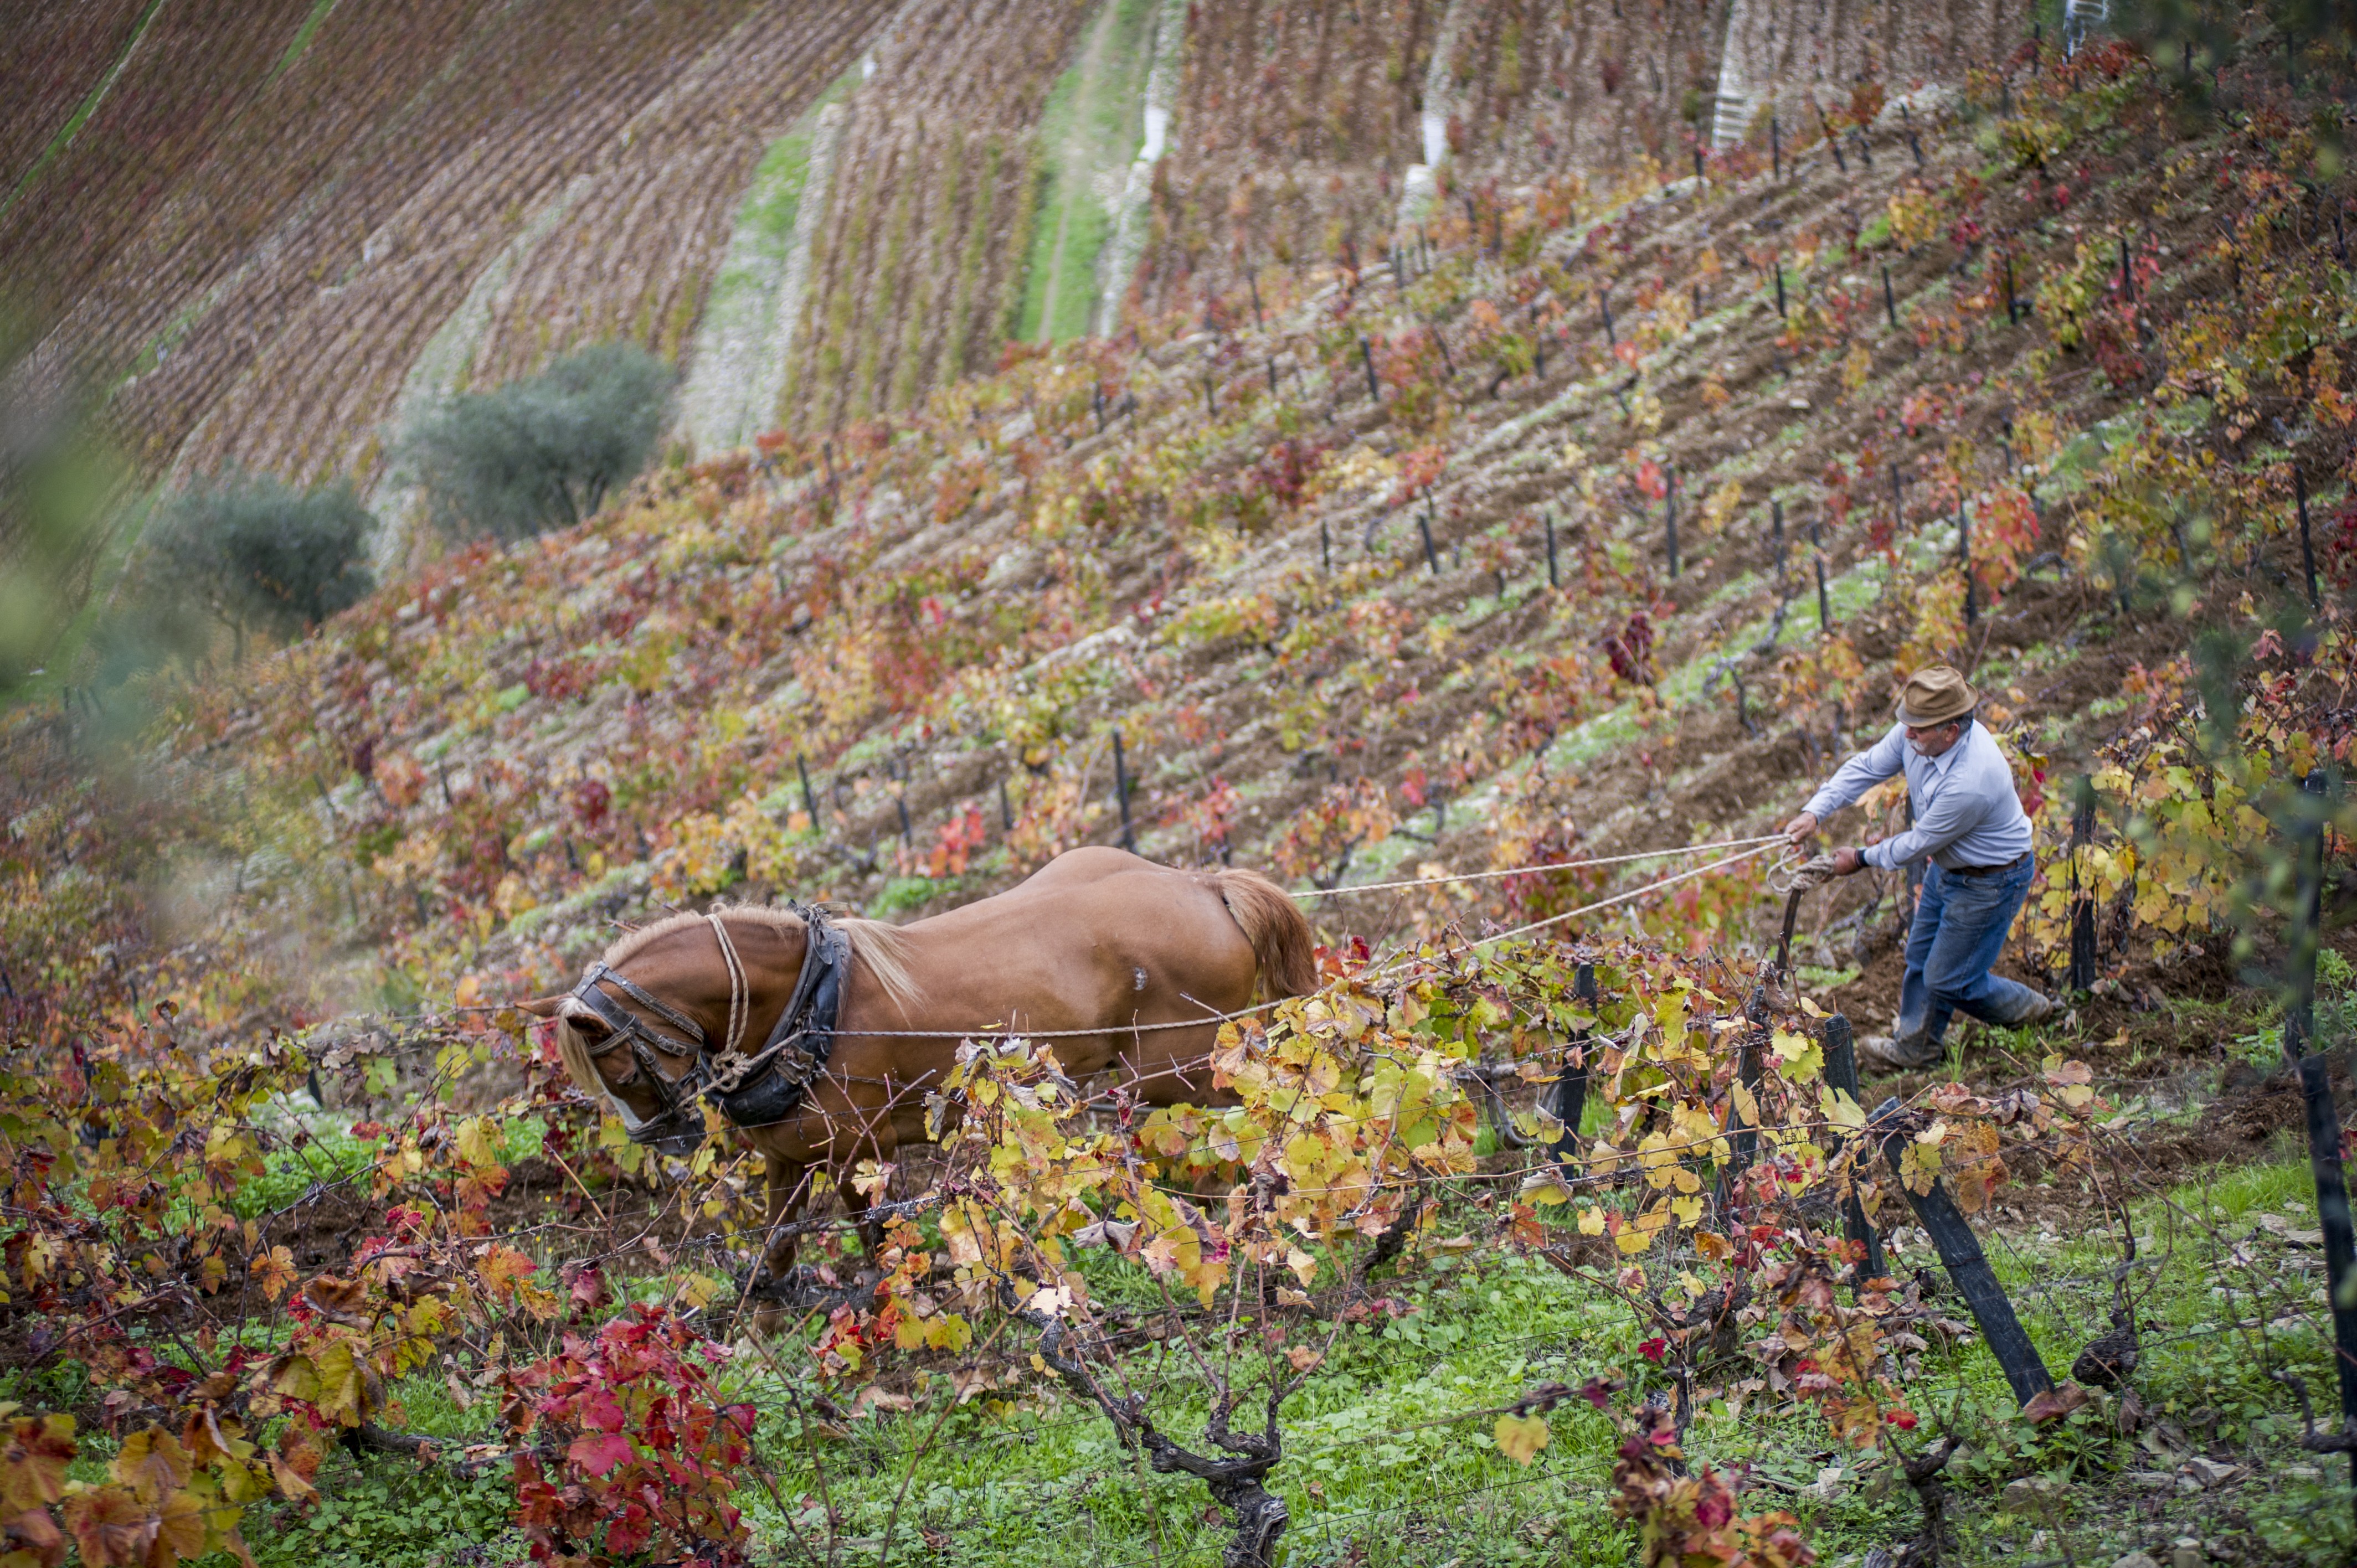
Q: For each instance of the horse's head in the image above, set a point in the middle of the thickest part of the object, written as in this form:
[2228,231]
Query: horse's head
[641,1031]
[670,1006]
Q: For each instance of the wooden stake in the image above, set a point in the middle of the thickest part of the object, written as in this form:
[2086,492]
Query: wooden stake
[1825,601]
[1965,559]
[1567,1102]
[1967,1265]
[2316,1090]
[1841,1073]
[2307,546]
[1670,518]
[1121,794]
[1367,358]
[2082,907]
[1553,581]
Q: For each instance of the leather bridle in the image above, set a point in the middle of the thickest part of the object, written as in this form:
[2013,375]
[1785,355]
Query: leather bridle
[751,1091]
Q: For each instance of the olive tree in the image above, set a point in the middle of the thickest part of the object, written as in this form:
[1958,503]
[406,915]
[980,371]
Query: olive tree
[259,554]
[544,452]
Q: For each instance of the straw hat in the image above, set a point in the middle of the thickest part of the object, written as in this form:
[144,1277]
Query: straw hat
[1936,694]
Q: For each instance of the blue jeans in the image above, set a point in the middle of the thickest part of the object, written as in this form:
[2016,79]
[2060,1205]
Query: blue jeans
[1958,933]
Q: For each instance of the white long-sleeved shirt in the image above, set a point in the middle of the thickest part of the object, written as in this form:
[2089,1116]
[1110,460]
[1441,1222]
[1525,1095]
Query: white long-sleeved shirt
[1966,812]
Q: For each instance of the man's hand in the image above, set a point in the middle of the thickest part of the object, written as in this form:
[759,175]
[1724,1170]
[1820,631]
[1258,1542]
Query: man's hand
[1847,862]
[1799,828]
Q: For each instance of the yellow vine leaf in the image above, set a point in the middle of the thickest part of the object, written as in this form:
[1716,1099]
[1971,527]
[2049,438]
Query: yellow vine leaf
[1918,1167]
[339,1382]
[151,1464]
[273,1271]
[479,1141]
[33,1466]
[1747,1104]
[296,1377]
[1519,1438]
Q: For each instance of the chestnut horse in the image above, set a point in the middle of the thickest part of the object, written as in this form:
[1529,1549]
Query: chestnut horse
[861,1021]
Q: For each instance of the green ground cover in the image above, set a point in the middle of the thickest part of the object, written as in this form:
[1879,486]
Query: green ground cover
[1383,1466]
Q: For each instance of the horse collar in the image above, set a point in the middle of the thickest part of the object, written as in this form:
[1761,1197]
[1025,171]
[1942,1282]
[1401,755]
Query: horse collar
[767,1087]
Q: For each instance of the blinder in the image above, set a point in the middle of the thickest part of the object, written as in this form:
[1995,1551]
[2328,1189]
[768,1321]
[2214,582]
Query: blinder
[751,1091]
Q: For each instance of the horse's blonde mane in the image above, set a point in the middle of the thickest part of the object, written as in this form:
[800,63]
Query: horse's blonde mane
[574,1051]
[880,948]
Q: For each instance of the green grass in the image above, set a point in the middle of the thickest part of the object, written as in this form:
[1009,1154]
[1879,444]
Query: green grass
[376,1513]
[1090,127]
[318,13]
[88,106]
[773,196]
[1040,1480]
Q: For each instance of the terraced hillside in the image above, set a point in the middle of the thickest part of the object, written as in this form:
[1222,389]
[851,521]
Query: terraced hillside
[269,238]
[270,224]
[917,273]
[1604,522]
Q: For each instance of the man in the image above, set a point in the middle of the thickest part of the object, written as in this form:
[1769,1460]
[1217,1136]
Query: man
[1970,821]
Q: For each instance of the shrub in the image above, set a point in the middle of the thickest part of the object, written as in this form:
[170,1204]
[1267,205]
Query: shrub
[260,554]
[544,452]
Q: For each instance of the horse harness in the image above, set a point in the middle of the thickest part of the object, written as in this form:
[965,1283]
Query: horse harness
[754,1091]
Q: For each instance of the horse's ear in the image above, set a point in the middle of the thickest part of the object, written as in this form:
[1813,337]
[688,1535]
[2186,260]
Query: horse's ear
[547,1006]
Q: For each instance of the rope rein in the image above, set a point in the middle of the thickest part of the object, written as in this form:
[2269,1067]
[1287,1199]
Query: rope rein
[1623,897]
[739,998]
[1763,840]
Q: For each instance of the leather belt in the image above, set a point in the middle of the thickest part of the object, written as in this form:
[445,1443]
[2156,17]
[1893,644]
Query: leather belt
[1986,870]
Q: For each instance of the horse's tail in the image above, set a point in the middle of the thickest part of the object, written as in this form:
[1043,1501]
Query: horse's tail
[1273,923]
